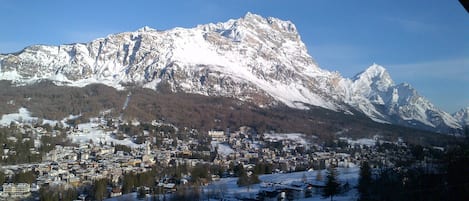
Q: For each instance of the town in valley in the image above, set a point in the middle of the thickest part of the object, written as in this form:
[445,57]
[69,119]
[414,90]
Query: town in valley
[105,158]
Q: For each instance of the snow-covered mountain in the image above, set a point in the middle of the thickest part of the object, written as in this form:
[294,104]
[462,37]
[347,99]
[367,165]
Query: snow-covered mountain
[256,59]
[375,94]
[462,116]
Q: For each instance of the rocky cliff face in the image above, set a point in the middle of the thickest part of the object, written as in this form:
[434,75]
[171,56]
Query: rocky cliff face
[255,59]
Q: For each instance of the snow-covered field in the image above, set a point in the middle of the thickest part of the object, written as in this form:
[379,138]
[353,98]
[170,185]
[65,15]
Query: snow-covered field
[91,131]
[233,192]
[294,137]
[23,115]
[223,149]
[362,141]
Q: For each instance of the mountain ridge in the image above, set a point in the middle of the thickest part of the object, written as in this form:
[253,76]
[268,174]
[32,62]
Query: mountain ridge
[254,59]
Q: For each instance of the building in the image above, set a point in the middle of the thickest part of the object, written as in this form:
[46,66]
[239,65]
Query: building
[217,135]
[116,192]
[21,190]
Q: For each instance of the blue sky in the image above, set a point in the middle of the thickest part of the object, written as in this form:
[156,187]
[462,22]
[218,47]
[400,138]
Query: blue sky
[424,43]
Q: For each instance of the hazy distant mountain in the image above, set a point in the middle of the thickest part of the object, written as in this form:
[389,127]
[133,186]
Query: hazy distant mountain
[255,59]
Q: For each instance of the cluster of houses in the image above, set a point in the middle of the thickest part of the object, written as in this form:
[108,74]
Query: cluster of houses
[288,154]
[77,166]
[15,191]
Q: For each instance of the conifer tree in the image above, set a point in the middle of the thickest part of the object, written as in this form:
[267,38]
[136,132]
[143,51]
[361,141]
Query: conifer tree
[332,185]
[364,181]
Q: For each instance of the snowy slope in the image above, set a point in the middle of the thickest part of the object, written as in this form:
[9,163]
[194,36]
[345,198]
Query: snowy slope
[256,59]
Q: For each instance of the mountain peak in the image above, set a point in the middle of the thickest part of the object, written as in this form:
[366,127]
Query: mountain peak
[462,116]
[376,69]
[256,29]
[375,75]
[250,15]
[145,29]
[272,22]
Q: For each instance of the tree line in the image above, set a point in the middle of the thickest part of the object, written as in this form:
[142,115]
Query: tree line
[448,179]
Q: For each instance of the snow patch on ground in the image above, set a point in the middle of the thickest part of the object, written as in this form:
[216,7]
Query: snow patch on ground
[223,149]
[362,141]
[23,116]
[92,131]
[295,137]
